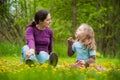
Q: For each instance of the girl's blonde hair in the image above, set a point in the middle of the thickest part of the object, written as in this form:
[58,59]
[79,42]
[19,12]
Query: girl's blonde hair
[87,38]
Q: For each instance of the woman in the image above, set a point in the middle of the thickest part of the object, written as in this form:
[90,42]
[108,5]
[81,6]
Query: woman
[39,40]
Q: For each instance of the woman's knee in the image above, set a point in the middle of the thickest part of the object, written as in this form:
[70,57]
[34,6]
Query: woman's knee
[25,49]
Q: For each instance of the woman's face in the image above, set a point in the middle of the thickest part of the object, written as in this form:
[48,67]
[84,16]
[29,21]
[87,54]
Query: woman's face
[47,21]
[79,31]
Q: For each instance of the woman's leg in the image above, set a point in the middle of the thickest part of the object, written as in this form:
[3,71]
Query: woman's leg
[42,57]
[25,49]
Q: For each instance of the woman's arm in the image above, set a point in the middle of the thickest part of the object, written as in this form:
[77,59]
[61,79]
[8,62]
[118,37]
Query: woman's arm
[30,38]
[30,41]
[51,42]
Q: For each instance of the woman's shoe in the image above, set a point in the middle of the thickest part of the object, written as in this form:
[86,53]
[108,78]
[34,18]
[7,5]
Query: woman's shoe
[53,59]
[29,62]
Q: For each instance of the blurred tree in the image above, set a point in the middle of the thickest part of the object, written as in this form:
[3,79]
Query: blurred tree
[9,31]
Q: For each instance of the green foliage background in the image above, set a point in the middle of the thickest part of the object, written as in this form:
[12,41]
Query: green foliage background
[67,15]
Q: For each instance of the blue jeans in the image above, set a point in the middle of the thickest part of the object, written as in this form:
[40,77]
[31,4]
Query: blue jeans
[42,57]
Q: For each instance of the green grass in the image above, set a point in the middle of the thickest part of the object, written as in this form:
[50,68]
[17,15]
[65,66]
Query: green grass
[64,59]
[7,49]
[11,69]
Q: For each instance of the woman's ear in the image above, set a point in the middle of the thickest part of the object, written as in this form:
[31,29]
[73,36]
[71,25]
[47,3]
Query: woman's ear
[40,21]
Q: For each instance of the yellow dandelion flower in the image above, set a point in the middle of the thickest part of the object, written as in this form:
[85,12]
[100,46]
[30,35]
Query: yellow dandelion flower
[82,68]
[99,73]
[98,54]
[91,79]
[118,69]
[93,65]
[54,69]
[32,65]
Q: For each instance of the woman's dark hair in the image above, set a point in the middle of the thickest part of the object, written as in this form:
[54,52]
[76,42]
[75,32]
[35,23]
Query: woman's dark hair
[39,16]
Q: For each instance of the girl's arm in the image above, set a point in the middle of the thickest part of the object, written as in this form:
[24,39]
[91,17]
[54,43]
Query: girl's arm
[90,60]
[70,42]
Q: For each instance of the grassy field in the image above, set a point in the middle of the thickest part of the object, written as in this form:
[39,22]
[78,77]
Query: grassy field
[12,69]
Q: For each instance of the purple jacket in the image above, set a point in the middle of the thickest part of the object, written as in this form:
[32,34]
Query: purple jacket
[40,40]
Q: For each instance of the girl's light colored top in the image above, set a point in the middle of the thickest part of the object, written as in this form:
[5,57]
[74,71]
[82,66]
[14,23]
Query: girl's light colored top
[82,53]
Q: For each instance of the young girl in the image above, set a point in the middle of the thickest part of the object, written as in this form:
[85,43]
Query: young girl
[83,45]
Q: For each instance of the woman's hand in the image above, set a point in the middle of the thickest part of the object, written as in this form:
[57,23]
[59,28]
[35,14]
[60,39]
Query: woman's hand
[30,52]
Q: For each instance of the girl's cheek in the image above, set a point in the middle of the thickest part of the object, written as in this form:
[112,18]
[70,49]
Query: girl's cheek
[75,35]
[79,35]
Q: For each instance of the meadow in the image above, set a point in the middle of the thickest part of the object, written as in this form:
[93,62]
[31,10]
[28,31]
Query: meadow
[11,67]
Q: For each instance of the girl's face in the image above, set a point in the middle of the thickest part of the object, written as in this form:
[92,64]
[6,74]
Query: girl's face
[47,21]
[79,31]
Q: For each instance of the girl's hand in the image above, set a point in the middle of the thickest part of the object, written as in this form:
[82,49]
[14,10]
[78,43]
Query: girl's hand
[70,39]
[30,52]
[82,61]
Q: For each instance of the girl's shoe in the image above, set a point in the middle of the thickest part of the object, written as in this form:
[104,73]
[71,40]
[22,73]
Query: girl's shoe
[99,68]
